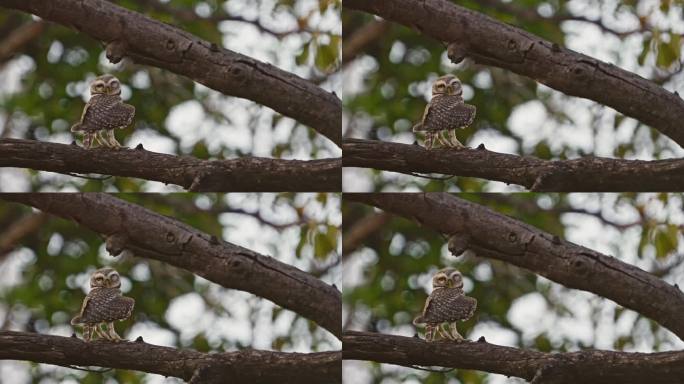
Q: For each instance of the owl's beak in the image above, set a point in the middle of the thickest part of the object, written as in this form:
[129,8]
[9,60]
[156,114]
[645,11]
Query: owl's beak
[450,283]
[450,89]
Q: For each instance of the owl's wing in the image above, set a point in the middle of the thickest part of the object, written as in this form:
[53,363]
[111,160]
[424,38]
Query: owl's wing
[421,319]
[448,112]
[79,126]
[107,112]
[448,305]
[78,319]
[421,126]
[105,305]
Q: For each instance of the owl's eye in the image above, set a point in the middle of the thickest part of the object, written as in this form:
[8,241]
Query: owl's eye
[440,86]
[99,86]
[115,277]
[114,84]
[99,278]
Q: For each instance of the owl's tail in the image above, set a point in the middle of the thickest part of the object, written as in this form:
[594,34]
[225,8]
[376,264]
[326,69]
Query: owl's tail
[418,127]
[419,321]
[77,127]
[76,320]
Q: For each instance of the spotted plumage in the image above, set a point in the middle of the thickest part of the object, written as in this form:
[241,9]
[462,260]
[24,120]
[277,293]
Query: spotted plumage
[446,305]
[445,113]
[104,112]
[103,305]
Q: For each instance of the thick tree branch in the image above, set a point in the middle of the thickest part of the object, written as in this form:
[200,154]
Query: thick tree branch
[189,365]
[253,174]
[493,235]
[491,42]
[149,234]
[151,42]
[589,366]
[586,174]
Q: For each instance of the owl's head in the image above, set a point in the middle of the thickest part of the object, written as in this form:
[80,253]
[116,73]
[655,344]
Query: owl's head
[447,278]
[447,85]
[105,85]
[105,278]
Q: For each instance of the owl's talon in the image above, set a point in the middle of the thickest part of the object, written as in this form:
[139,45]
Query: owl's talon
[446,111]
[104,112]
[103,304]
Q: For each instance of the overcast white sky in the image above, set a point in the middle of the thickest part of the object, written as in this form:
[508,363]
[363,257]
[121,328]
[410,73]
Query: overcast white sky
[530,313]
[529,120]
[249,128]
[187,313]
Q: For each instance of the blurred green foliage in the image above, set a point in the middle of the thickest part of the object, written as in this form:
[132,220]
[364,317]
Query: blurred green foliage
[397,259]
[54,262]
[397,67]
[55,66]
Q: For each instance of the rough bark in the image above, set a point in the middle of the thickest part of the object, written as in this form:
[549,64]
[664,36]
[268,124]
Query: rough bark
[243,366]
[589,366]
[148,234]
[152,42]
[493,235]
[491,42]
[586,174]
[245,174]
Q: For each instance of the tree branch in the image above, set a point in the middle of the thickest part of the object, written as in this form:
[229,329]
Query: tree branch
[189,365]
[149,234]
[589,366]
[491,42]
[354,237]
[14,233]
[253,174]
[493,235]
[19,38]
[152,42]
[362,38]
[586,174]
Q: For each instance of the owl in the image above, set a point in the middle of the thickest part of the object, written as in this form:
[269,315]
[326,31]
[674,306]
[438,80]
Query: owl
[104,112]
[446,305]
[446,112]
[103,305]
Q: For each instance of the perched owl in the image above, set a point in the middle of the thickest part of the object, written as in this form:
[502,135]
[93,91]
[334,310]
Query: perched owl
[446,112]
[104,112]
[103,305]
[446,305]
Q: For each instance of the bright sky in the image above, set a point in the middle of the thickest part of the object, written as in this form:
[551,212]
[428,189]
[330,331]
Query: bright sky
[530,313]
[187,314]
[529,120]
[188,121]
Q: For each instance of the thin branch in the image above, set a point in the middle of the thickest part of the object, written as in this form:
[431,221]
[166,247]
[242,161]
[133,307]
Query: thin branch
[362,38]
[245,366]
[586,174]
[151,42]
[251,174]
[493,235]
[13,234]
[589,366]
[19,38]
[187,15]
[148,234]
[355,236]
[491,42]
